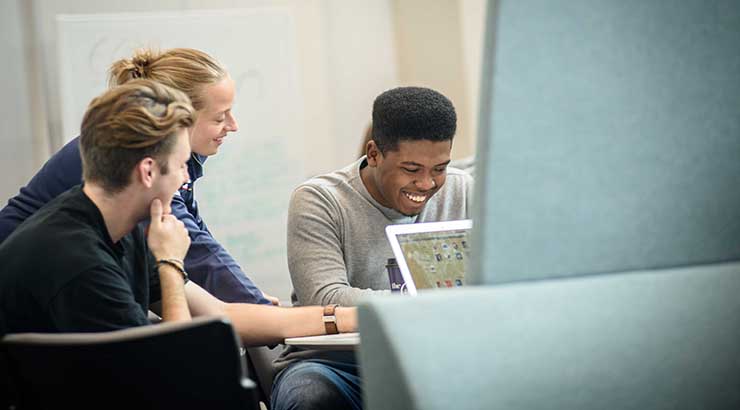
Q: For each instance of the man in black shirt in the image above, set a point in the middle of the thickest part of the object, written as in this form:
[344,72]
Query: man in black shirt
[83,263]
[63,272]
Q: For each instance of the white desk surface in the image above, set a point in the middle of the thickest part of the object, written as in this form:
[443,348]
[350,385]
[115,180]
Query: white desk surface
[342,341]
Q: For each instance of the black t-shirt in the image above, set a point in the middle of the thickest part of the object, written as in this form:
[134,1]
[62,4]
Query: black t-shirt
[60,272]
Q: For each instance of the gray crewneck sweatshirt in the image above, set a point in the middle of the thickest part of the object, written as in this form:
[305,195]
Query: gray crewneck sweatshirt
[337,248]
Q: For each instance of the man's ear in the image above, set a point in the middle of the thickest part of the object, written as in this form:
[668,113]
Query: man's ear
[373,153]
[145,171]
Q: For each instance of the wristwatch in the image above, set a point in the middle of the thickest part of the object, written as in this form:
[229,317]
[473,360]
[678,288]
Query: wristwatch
[330,320]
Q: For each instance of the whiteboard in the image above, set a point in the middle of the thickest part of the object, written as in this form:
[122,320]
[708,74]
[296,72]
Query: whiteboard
[246,188]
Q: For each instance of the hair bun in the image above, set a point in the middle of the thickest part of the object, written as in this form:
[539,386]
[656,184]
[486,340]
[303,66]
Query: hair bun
[140,66]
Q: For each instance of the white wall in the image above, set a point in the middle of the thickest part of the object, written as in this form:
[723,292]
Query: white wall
[346,50]
[16,136]
[472,25]
[362,64]
[438,41]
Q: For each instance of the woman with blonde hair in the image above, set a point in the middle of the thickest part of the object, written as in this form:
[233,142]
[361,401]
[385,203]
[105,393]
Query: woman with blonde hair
[211,90]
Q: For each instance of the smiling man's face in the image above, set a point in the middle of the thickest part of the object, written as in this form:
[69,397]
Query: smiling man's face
[404,179]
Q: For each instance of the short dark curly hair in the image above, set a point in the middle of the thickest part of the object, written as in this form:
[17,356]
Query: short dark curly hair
[412,113]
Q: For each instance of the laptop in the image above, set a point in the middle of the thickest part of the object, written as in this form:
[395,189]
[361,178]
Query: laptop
[431,255]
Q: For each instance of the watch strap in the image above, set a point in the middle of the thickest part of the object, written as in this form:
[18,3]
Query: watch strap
[330,319]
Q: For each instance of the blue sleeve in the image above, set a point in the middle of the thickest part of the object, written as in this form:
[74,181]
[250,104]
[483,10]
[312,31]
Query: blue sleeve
[60,173]
[210,266]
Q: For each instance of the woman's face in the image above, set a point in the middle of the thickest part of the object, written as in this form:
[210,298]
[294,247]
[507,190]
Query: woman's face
[215,119]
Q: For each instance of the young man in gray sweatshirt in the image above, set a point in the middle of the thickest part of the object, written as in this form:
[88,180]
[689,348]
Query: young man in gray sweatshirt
[337,248]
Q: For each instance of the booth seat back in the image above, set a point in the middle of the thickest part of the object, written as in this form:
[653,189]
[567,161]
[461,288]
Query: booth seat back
[664,339]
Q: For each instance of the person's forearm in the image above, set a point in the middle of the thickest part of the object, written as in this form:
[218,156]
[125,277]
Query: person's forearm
[263,325]
[174,302]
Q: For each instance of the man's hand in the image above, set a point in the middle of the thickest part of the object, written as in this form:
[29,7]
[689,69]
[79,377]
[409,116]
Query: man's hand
[167,236]
[273,300]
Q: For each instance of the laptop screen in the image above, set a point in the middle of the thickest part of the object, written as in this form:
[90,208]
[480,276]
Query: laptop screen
[431,255]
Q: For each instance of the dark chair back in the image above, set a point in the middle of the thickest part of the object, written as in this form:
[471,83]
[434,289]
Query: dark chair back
[192,364]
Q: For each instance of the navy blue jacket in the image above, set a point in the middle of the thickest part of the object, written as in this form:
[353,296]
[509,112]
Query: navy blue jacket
[207,262]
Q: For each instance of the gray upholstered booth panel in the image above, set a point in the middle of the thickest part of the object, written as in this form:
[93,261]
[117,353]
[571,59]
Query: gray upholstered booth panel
[610,137]
[648,340]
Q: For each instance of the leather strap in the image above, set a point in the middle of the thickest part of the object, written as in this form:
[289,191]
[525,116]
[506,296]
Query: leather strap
[176,264]
[330,320]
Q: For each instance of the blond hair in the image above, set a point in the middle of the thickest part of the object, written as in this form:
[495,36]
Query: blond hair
[184,69]
[128,123]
